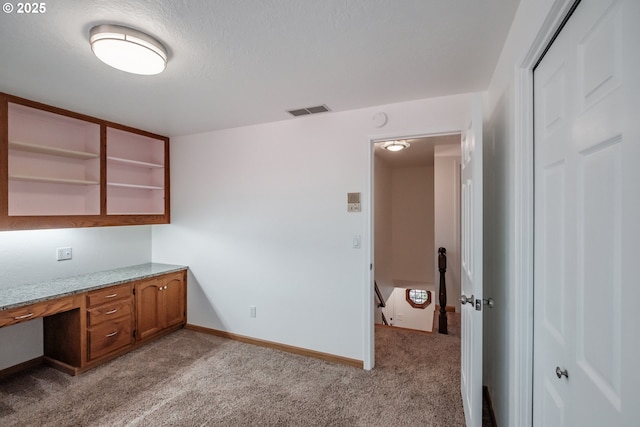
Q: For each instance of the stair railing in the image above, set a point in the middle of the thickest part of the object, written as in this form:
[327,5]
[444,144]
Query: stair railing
[442,267]
[381,302]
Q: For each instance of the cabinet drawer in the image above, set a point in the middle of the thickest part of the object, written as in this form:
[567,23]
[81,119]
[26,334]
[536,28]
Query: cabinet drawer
[109,336]
[105,295]
[33,311]
[109,311]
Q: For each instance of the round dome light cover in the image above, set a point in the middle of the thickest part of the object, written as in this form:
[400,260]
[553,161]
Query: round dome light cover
[395,145]
[127,49]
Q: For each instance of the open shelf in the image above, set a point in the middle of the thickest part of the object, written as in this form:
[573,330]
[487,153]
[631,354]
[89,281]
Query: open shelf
[135,200]
[53,151]
[134,163]
[54,180]
[136,177]
[142,187]
[66,169]
[53,163]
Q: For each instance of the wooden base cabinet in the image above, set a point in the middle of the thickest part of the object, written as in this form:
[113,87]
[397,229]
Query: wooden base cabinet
[90,328]
[109,320]
[160,304]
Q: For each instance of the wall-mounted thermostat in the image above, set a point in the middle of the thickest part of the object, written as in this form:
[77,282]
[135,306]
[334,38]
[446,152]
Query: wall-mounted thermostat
[353,202]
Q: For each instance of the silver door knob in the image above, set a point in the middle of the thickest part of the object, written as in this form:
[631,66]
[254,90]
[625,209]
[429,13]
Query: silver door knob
[560,373]
[467,300]
[489,302]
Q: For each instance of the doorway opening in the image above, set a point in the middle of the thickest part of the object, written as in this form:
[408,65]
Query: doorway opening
[416,210]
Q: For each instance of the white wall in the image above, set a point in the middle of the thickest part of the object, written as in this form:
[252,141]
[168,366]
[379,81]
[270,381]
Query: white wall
[412,223]
[502,366]
[404,225]
[259,214]
[30,256]
[447,219]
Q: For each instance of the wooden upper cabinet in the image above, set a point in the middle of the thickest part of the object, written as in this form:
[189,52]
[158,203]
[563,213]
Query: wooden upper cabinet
[62,169]
[135,174]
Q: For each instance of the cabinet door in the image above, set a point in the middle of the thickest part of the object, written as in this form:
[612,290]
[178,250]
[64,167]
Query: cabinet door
[174,300]
[149,317]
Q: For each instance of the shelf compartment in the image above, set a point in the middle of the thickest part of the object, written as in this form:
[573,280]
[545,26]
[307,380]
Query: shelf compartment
[34,129]
[53,163]
[136,179]
[53,180]
[53,151]
[134,200]
[52,198]
[134,148]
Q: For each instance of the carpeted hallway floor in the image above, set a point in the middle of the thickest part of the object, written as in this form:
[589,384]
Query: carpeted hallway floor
[193,379]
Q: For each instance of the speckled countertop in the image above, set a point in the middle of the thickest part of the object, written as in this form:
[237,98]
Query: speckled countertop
[21,295]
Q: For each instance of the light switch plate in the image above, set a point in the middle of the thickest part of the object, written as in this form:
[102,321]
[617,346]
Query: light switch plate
[353,202]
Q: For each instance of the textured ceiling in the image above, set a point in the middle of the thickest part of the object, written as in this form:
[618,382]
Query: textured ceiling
[240,62]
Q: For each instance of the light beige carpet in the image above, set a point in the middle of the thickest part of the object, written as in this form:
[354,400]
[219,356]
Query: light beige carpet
[193,379]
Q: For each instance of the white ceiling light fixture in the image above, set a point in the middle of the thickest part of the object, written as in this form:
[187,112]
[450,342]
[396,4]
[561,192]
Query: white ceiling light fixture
[395,145]
[127,49]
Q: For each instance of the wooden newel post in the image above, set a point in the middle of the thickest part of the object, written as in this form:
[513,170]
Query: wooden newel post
[442,267]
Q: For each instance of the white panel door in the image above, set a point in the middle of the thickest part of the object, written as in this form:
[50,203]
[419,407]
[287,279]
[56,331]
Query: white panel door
[471,266]
[587,211]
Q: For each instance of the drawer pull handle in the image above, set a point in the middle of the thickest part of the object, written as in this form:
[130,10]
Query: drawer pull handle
[111,296]
[111,311]
[24,316]
[112,334]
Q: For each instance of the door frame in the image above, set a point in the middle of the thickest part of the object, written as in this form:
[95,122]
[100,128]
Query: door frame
[521,364]
[369,246]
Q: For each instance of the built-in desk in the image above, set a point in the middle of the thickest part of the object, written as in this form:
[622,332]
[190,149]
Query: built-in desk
[91,318]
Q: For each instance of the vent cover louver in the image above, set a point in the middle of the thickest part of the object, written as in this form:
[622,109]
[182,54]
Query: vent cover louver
[309,110]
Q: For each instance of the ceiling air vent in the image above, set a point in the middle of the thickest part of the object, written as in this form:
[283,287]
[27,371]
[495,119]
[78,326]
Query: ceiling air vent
[309,110]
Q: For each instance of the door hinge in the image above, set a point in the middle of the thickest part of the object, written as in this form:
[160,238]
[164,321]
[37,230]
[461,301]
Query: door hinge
[370,267]
[134,291]
[134,333]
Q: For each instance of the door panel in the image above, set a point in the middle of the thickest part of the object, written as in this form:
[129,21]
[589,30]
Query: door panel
[148,308]
[587,205]
[173,297]
[471,266]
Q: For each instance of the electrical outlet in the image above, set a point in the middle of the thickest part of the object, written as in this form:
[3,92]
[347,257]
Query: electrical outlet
[252,311]
[63,254]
